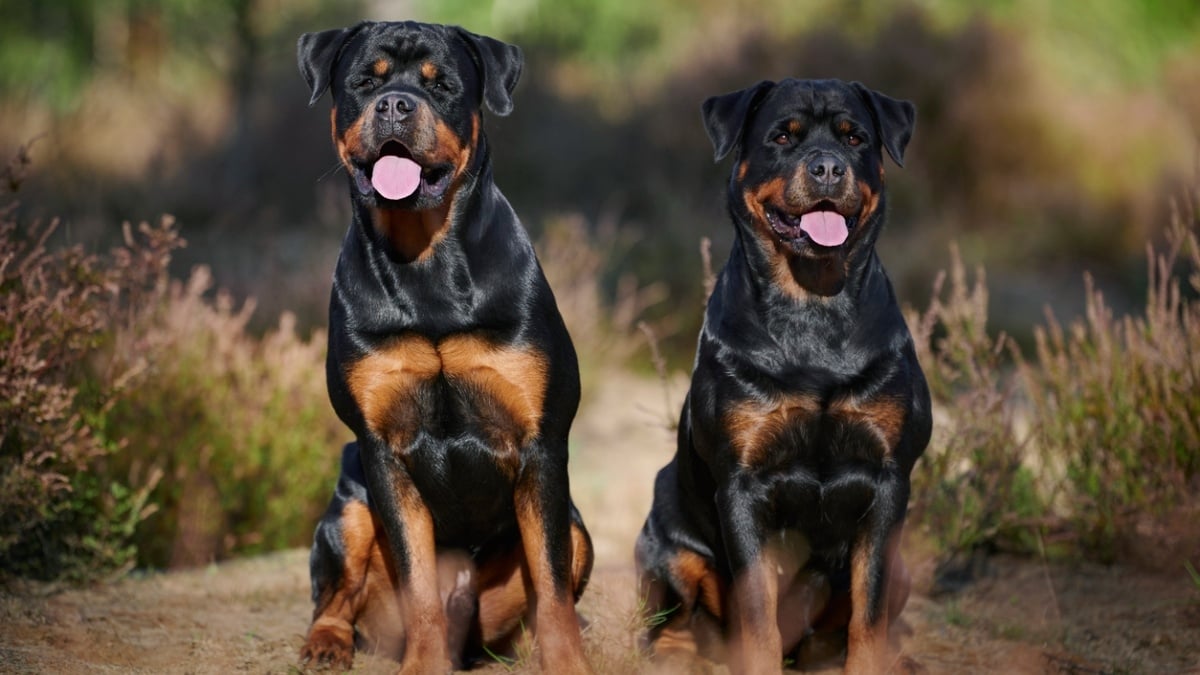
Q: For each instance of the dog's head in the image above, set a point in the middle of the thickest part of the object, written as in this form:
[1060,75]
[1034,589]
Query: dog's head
[808,176]
[406,104]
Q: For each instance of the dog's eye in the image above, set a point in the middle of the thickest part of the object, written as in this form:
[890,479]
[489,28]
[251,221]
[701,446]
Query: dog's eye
[854,140]
[438,85]
[782,139]
[365,84]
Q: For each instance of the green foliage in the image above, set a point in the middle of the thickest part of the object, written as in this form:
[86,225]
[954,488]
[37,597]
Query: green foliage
[61,517]
[1113,42]
[603,32]
[51,51]
[46,49]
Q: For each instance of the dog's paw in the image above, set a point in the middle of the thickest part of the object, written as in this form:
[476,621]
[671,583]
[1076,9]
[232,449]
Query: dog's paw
[328,647]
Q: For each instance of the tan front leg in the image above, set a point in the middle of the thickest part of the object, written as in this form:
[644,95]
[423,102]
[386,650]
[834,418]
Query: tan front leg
[556,623]
[757,645]
[420,600]
[871,608]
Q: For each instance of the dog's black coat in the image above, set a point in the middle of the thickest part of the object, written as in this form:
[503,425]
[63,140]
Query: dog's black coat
[448,359]
[807,407]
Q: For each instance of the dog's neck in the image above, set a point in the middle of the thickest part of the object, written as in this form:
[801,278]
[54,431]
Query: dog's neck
[412,234]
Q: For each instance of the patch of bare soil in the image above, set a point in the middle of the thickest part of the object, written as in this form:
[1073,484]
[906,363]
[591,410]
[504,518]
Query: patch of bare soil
[1020,616]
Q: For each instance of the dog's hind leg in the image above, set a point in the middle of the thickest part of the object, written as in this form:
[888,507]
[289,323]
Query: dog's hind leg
[353,589]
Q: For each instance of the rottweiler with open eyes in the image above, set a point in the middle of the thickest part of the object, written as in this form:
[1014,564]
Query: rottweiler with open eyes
[451,529]
[776,525]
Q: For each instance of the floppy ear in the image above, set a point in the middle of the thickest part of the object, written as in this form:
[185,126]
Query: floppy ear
[894,118]
[500,64]
[316,52]
[725,116]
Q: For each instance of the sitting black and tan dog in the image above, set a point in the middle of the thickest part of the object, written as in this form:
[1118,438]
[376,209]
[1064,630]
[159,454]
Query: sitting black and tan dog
[452,528]
[778,521]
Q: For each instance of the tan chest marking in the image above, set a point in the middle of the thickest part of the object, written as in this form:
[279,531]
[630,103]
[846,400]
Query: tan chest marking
[884,416]
[754,425]
[385,383]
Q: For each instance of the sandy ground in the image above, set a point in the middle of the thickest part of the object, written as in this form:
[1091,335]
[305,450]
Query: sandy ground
[1020,616]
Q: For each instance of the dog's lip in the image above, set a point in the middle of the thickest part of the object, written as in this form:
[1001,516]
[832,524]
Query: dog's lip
[785,221]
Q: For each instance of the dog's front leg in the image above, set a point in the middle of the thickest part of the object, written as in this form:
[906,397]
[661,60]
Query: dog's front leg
[876,572]
[756,644]
[409,527]
[544,518]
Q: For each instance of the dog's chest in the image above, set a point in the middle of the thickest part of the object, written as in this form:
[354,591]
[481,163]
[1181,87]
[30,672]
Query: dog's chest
[821,464]
[460,386]
[800,428]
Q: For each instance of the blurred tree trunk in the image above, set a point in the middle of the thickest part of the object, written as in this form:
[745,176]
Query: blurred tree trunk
[239,173]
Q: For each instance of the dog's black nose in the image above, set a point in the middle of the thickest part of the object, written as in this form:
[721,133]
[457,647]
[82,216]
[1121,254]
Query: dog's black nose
[827,169]
[396,105]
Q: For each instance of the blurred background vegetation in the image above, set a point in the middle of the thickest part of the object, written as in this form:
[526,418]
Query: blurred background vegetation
[1049,139]
[1052,138]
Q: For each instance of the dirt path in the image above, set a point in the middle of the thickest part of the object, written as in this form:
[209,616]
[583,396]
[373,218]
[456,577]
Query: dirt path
[250,615]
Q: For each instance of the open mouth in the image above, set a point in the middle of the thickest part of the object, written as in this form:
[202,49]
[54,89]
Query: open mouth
[822,225]
[397,176]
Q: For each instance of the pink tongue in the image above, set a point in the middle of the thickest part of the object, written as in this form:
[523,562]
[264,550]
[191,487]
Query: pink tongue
[827,228]
[395,177]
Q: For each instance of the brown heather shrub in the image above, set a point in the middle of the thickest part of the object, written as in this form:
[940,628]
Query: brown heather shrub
[139,420]
[59,517]
[1117,401]
[240,426]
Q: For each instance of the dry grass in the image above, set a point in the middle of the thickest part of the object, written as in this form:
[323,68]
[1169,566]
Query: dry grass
[603,322]
[1118,398]
[973,486]
[1094,442]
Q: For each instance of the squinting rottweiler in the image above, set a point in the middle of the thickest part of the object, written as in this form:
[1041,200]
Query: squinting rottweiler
[452,529]
[776,524]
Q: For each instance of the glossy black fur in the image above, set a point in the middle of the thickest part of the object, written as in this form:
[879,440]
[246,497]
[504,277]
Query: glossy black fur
[832,332]
[479,279]
[328,551]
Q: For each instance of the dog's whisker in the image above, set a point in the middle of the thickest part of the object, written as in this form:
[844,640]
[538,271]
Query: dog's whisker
[330,171]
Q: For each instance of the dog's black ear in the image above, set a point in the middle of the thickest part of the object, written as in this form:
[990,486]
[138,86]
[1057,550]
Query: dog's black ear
[894,120]
[500,64]
[316,53]
[725,116]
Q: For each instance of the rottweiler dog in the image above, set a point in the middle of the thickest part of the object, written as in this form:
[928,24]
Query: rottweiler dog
[452,529]
[776,524]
